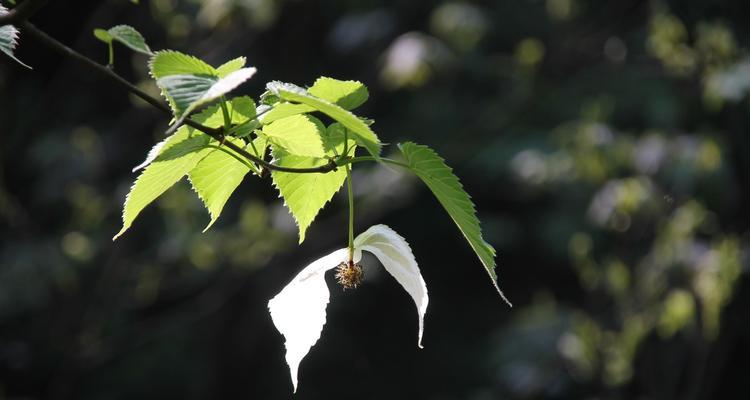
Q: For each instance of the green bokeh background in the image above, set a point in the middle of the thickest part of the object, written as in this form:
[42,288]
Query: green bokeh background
[604,144]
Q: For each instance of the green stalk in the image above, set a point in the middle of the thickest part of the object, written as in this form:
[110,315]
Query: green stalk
[346,143]
[111,55]
[258,169]
[225,112]
[351,212]
[347,161]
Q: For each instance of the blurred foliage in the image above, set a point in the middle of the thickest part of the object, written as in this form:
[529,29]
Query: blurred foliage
[604,144]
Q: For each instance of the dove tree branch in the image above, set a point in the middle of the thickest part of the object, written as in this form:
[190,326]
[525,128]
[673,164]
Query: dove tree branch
[216,133]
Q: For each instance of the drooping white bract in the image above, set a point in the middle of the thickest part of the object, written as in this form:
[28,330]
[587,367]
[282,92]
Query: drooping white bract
[299,310]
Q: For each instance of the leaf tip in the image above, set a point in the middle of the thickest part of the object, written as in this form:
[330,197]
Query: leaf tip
[120,233]
[502,295]
[209,225]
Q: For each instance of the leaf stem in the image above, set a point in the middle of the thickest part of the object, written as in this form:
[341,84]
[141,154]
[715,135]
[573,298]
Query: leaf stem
[354,160]
[350,193]
[346,143]
[244,161]
[111,63]
[225,113]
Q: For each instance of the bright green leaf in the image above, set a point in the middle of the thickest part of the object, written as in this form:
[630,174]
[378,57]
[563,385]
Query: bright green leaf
[211,117]
[180,154]
[362,133]
[305,194]
[188,92]
[9,38]
[347,94]
[216,177]
[126,35]
[230,66]
[333,141]
[258,146]
[170,62]
[241,109]
[166,164]
[103,35]
[282,110]
[433,171]
[167,63]
[298,135]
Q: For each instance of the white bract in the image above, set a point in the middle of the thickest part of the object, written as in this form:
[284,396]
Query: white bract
[299,310]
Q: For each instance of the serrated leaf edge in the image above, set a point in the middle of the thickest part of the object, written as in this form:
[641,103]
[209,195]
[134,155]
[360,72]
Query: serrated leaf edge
[489,269]
[300,233]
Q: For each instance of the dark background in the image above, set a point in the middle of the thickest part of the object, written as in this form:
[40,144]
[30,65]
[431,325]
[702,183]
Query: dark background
[604,144]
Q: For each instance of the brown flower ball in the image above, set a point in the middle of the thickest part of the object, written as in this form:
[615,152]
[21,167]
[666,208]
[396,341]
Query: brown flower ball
[349,275]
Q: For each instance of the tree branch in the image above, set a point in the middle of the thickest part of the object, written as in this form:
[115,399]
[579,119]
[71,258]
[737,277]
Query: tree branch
[21,12]
[216,133]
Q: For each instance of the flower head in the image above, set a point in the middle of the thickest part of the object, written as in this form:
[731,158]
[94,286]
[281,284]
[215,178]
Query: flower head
[299,310]
[349,275]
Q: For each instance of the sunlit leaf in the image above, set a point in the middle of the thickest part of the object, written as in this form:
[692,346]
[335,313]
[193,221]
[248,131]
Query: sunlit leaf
[299,135]
[347,94]
[283,110]
[188,83]
[241,109]
[216,177]
[178,157]
[333,140]
[446,187]
[172,159]
[188,92]
[306,194]
[361,132]
[170,62]
[231,66]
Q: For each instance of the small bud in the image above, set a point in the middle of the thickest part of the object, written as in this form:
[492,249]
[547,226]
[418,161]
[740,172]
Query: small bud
[349,275]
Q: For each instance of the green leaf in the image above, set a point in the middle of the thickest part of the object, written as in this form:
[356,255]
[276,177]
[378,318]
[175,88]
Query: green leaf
[103,35]
[216,177]
[126,35]
[333,141]
[283,110]
[9,38]
[170,62]
[230,66]
[241,109]
[306,194]
[433,171]
[362,133]
[180,154]
[259,146]
[347,94]
[188,91]
[166,164]
[298,135]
